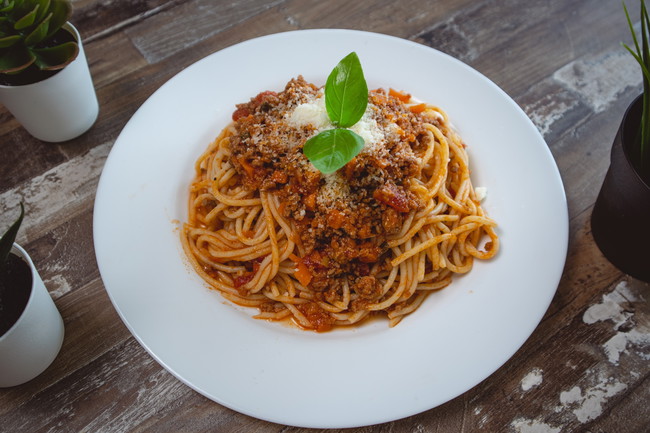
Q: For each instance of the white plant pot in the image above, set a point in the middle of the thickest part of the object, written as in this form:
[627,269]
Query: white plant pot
[32,343]
[60,107]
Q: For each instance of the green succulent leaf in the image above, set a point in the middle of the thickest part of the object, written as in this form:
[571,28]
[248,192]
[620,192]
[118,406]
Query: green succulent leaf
[332,149]
[8,239]
[61,12]
[53,58]
[7,6]
[8,41]
[15,59]
[42,10]
[29,33]
[39,33]
[27,20]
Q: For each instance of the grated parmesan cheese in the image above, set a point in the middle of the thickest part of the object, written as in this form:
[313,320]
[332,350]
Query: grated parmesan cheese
[314,113]
[481,193]
[334,187]
[311,113]
[368,129]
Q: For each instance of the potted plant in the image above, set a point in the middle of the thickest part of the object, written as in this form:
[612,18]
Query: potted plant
[45,81]
[621,217]
[31,328]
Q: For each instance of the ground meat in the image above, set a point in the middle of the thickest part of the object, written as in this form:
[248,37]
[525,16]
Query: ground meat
[368,288]
[391,221]
[270,307]
[319,319]
[344,217]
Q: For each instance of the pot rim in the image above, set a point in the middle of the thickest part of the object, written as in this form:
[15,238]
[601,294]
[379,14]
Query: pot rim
[68,26]
[20,252]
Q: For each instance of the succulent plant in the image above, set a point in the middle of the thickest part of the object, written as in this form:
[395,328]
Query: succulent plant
[31,36]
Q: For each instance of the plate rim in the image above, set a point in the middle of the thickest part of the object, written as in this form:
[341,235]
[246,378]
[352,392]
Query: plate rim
[170,82]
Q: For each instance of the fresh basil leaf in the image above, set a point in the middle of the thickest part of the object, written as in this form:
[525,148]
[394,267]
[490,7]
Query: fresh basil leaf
[346,92]
[332,149]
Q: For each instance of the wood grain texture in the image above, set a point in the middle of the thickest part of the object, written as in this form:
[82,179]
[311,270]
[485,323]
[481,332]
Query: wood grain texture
[586,368]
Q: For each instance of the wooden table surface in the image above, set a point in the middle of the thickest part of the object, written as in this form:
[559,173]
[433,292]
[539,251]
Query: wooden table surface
[586,368]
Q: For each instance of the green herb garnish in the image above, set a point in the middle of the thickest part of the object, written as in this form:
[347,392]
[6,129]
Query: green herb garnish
[346,99]
[346,92]
[332,149]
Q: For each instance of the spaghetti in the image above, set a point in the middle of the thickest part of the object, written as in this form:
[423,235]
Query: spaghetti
[267,230]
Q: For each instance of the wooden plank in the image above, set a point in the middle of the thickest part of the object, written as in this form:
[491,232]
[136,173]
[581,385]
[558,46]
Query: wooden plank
[499,48]
[7,122]
[269,21]
[626,412]
[65,257]
[402,19]
[124,60]
[179,28]
[98,18]
[23,155]
[555,111]
[102,396]
[57,195]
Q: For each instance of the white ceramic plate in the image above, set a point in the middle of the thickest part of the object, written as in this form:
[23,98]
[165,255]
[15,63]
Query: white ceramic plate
[343,378]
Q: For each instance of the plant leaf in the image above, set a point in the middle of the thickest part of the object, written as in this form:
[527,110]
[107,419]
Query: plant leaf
[39,33]
[631,26]
[53,58]
[332,149]
[8,41]
[346,92]
[9,6]
[42,10]
[8,239]
[27,20]
[15,59]
[642,56]
[61,12]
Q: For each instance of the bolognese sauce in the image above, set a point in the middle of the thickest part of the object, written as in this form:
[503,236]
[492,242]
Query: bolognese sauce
[269,230]
[342,218]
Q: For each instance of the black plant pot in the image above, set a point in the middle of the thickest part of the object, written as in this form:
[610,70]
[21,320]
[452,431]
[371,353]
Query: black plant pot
[620,222]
